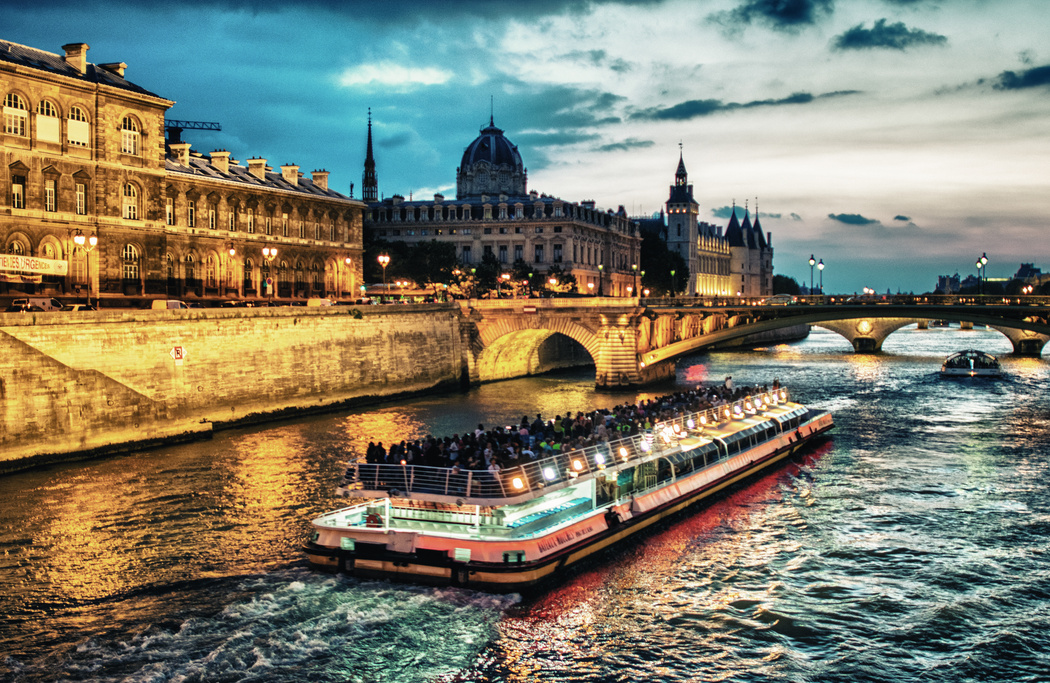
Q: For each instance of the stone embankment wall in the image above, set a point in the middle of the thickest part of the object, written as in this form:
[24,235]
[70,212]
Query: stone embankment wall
[87,383]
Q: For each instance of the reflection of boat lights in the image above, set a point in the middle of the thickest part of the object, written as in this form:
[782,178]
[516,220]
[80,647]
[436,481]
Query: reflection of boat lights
[518,483]
[548,473]
[624,454]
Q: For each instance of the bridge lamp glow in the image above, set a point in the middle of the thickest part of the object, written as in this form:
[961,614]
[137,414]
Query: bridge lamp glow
[517,483]
[548,473]
[703,420]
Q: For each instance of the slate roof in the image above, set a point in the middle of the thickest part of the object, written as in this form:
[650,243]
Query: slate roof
[200,167]
[734,235]
[31,57]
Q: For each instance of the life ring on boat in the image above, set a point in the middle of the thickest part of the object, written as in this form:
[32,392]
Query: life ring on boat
[374,520]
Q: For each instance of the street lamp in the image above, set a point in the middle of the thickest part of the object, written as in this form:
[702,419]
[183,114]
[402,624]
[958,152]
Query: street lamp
[502,278]
[634,268]
[601,267]
[590,288]
[384,261]
[982,263]
[812,262]
[820,267]
[349,277]
[87,244]
[269,254]
[674,292]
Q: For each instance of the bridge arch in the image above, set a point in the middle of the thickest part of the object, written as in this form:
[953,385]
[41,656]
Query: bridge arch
[529,352]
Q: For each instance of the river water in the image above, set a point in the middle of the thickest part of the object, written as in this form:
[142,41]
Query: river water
[910,546]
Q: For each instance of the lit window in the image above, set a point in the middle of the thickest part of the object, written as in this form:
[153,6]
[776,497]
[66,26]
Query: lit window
[131,262]
[18,192]
[129,136]
[169,210]
[191,214]
[77,129]
[16,115]
[131,202]
[48,125]
[50,202]
[251,221]
[81,199]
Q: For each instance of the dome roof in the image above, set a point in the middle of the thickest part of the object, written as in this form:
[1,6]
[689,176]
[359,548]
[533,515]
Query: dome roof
[492,147]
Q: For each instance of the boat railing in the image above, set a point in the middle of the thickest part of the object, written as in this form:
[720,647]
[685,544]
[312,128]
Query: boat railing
[557,470]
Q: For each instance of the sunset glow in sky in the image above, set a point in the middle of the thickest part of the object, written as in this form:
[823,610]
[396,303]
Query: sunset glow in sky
[894,139]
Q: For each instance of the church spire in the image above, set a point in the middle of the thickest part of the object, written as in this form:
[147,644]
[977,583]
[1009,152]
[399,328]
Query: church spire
[369,182]
[680,176]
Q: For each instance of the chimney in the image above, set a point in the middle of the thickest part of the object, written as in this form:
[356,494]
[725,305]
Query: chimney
[290,172]
[220,160]
[438,198]
[115,68]
[76,56]
[181,150]
[257,167]
[320,179]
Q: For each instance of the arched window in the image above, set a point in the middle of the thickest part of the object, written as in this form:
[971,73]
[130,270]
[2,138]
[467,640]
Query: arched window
[131,262]
[48,125]
[129,136]
[191,268]
[330,274]
[210,271]
[300,280]
[16,115]
[16,248]
[169,265]
[131,202]
[77,129]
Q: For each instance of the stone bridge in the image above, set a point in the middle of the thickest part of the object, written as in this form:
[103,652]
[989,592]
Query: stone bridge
[634,342]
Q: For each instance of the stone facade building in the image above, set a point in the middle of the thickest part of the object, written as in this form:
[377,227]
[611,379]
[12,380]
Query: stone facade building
[495,213]
[95,202]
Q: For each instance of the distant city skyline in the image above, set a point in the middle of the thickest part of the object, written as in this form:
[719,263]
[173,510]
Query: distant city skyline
[896,140]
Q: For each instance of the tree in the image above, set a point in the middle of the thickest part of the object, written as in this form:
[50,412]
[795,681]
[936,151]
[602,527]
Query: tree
[782,284]
[658,261]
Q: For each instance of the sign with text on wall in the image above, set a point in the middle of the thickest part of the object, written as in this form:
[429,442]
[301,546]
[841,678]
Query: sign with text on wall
[178,353]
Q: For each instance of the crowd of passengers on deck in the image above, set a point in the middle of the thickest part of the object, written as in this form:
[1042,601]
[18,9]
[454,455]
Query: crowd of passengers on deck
[500,448]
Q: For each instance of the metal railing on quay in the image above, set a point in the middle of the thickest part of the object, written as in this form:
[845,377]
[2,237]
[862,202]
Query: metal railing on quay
[560,469]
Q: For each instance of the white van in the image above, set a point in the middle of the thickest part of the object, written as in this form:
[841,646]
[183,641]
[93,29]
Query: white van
[44,302]
[160,304]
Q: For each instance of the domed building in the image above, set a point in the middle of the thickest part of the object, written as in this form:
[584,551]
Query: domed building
[495,214]
[491,165]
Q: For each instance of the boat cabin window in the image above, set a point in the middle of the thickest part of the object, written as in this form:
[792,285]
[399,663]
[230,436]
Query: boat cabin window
[515,556]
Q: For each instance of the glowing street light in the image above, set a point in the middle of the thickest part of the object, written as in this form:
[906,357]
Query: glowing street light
[502,278]
[812,262]
[87,243]
[601,266]
[384,261]
[269,254]
[820,267]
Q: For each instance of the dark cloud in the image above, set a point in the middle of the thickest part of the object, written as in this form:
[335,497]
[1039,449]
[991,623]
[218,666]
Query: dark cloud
[722,212]
[796,217]
[1031,78]
[692,109]
[853,219]
[903,219]
[883,35]
[782,15]
[626,145]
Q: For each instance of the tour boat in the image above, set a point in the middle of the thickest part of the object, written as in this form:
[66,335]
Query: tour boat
[971,363]
[510,531]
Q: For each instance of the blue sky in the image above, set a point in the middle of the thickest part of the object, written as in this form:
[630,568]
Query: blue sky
[894,139]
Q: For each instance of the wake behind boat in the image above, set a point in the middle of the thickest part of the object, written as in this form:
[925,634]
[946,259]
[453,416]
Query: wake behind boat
[971,363]
[508,530]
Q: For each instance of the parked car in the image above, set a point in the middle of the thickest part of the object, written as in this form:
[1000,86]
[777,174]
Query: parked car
[161,304]
[79,307]
[44,303]
[23,307]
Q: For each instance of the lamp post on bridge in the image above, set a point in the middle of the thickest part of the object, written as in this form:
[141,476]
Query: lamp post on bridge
[634,268]
[820,267]
[812,262]
[384,261]
[601,267]
[674,292]
[982,263]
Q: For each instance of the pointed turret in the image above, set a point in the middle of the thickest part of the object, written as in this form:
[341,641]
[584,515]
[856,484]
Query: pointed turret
[369,181]
[762,244]
[734,235]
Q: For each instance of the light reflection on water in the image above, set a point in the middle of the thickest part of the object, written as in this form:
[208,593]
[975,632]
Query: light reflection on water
[910,545]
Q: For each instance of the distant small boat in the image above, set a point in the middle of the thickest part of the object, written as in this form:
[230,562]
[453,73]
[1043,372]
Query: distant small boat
[971,363]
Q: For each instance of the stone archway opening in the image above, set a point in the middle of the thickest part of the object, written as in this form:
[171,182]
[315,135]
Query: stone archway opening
[530,352]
